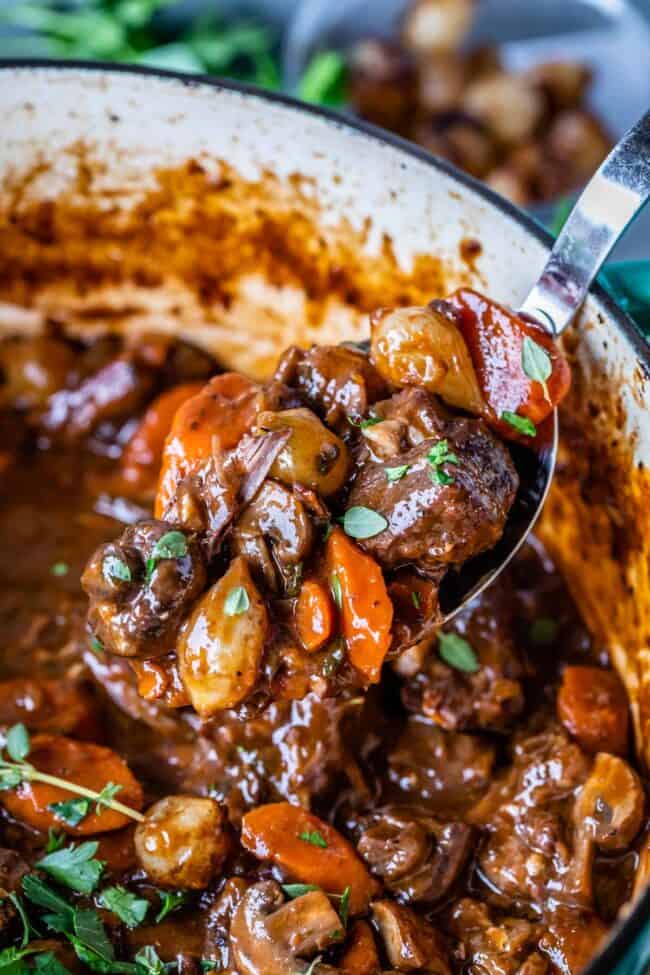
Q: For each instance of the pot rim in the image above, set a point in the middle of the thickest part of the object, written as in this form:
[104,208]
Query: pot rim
[625,930]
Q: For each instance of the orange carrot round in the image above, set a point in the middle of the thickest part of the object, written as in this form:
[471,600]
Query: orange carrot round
[84,764]
[213,420]
[366,609]
[495,339]
[593,707]
[142,457]
[308,850]
[314,615]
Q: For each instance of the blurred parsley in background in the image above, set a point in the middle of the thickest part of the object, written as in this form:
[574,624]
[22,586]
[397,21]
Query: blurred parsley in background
[147,32]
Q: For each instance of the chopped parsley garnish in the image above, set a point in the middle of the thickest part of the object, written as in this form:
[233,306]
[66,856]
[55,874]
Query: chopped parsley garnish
[54,840]
[370,421]
[150,961]
[107,794]
[170,900]
[334,657]
[74,866]
[396,473]
[71,812]
[130,909]
[171,545]
[314,837]
[437,456]
[297,890]
[536,363]
[360,522]
[116,568]
[344,906]
[335,586]
[457,652]
[96,645]
[60,569]
[237,602]
[18,743]
[415,599]
[48,964]
[520,423]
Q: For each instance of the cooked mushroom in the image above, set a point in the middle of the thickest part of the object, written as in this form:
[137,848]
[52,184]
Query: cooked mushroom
[182,842]
[274,533]
[270,937]
[411,942]
[141,586]
[611,805]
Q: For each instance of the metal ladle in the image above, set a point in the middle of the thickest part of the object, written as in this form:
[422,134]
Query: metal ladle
[611,200]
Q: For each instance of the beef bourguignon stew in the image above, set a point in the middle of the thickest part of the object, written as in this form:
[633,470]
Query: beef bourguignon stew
[238,735]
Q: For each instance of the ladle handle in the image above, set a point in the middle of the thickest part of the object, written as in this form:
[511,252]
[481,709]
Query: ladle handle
[611,199]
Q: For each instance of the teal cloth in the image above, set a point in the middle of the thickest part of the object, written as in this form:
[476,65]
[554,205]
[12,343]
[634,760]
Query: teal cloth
[629,285]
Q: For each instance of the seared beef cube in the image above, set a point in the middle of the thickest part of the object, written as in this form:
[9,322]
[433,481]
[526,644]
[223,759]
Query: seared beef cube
[450,504]
[336,381]
[492,697]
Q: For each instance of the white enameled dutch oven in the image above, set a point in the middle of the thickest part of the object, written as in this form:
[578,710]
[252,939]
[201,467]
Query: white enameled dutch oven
[132,199]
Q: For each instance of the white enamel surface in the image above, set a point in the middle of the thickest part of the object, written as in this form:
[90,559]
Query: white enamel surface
[135,123]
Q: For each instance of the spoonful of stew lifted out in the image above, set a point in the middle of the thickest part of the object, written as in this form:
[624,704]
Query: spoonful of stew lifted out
[309,528]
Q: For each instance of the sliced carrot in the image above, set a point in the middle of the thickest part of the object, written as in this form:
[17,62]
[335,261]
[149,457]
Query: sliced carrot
[314,615]
[366,609]
[142,457]
[495,337]
[308,850]
[60,706]
[215,419]
[593,707]
[85,764]
[361,956]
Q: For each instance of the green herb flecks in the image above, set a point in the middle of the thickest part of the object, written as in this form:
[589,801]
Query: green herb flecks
[536,363]
[334,657]
[18,744]
[457,652]
[520,423]
[72,812]
[116,568]
[344,906]
[237,602]
[335,586]
[361,522]
[369,421]
[415,599]
[171,545]
[60,569]
[438,456]
[130,909]
[74,866]
[297,890]
[170,900]
[394,474]
[313,837]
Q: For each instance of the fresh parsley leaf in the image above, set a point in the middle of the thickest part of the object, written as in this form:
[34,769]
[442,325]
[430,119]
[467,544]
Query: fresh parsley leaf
[60,569]
[543,630]
[457,652]
[520,423]
[17,743]
[54,840]
[237,602]
[72,812]
[314,837]
[41,894]
[437,456]
[171,545]
[370,421]
[344,906]
[74,866]
[47,963]
[360,522]
[297,890]
[109,792]
[10,778]
[323,82]
[90,931]
[11,962]
[24,920]
[441,477]
[396,473]
[210,965]
[115,568]
[149,961]
[536,363]
[96,645]
[335,586]
[130,909]
[170,900]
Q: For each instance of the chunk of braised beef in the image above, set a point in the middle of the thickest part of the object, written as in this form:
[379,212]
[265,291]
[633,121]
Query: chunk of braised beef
[12,870]
[489,946]
[336,381]
[416,608]
[140,591]
[491,698]
[438,512]
[410,941]
[446,771]
[418,856]
[534,849]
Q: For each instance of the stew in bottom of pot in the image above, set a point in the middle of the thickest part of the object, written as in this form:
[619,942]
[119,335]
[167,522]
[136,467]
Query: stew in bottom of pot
[244,743]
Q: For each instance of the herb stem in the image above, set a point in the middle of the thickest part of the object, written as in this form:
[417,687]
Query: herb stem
[32,774]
